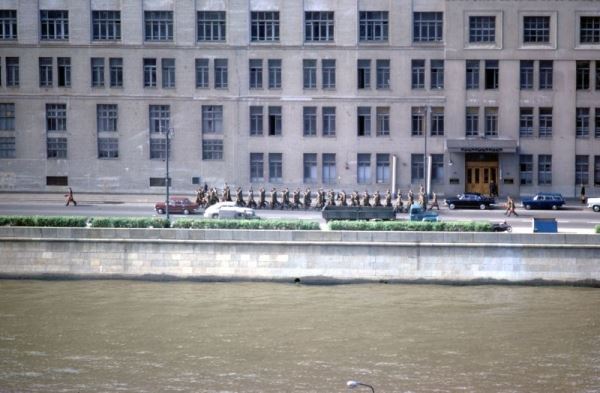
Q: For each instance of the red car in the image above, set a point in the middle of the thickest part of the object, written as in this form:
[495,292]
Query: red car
[177,205]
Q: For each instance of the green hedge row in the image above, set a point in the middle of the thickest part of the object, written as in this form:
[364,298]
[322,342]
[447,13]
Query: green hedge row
[597,228]
[442,226]
[96,222]
[247,224]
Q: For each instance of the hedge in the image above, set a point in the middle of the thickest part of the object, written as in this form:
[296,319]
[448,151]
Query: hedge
[442,226]
[129,222]
[247,224]
[43,221]
[597,228]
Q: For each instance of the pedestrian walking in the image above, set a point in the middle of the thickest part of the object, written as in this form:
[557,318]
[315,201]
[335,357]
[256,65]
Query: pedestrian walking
[510,207]
[434,202]
[69,196]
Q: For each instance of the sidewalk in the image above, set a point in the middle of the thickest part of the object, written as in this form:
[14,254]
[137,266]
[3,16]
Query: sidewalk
[90,198]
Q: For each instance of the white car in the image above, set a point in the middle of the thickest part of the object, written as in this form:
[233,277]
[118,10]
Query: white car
[213,210]
[594,204]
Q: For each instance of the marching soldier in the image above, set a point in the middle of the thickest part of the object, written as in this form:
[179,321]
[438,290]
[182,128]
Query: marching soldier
[239,199]
[366,199]
[320,198]
[261,198]
[307,199]
[342,198]
[285,198]
[376,199]
[273,202]
[251,202]
[354,199]
[296,199]
[226,193]
[399,208]
[331,198]
[388,198]
[434,202]
[69,196]
[411,198]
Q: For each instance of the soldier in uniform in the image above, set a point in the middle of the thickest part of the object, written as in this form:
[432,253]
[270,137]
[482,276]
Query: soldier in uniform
[354,199]
[320,198]
[226,193]
[366,199]
[342,198]
[411,198]
[251,202]
[261,198]
[273,202]
[388,198]
[434,202]
[200,197]
[376,199]
[399,208]
[307,199]
[239,199]
[331,198]
[69,196]
[285,198]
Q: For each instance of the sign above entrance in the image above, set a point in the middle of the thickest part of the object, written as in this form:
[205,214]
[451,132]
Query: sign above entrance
[481,145]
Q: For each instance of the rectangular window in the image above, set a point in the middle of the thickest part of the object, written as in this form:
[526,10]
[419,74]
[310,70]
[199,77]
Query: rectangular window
[257,164]
[310,120]
[472,121]
[97,71]
[526,122]
[597,124]
[256,121]
[482,29]
[437,74]
[158,149]
[168,73]
[536,29]
[212,119]
[264,26]
[54,24]
[107,116]
[8,147]
[202,73]
[108,148]
[373,26]
[545,123]
[329,168]
[274,73]
[472,67]
[364,73]
[149,72]
[544,169]
[418,74]
[275,122]
[45,71]
[583,75]
[417,121]
[56,147]
[116,71]
[309,68]
[158,25]
[363,168]
[318,26]
[212,149]
[255,71]
[310,167]
[56,117]
[581,170]
[437,168]
[363,121]
[597,74]
[589,30]
[275,167]
[526,169]
[546,74]
[8,24]
[437,121]
[12,71]
[106,25]
[526,74]
[492,74]
[382,169]
[596,170]
[328,69]
[383,74]
[211,26]
[428,26]
[383,121]
[7,117]
[57,180]
[417,168]
[220,73]
[64,71]
[491,121]
[160,118]
[158,182]
[329,120]
[582,122]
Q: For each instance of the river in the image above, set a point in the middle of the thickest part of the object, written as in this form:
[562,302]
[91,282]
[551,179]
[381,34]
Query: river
[130,336]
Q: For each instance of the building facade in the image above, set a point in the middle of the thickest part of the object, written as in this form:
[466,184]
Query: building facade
[343,94]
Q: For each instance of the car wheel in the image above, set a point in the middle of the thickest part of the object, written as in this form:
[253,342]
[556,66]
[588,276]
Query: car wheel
[482,206]
[451,206]
[215,215]
[596,208]
[554,207]
[186,212]
[528,207]
[160,211]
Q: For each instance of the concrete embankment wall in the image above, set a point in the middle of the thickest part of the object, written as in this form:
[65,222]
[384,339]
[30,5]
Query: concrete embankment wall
[307,255]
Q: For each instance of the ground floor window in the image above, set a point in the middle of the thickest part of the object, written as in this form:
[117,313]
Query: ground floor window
[256,167]
[275,167]
[437,168]
[310,167]
[329,171]
[417,168]
[544,169]
[7,147]
[526,169]
[581,170]
[383,168]
[363,168]
[56,147]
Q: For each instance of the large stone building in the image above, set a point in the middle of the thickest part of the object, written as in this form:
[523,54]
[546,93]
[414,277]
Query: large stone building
[344,94]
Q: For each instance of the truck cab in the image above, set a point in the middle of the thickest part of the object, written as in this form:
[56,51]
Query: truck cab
[417,213]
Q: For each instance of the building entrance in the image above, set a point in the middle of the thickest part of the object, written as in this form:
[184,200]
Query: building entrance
[481,169]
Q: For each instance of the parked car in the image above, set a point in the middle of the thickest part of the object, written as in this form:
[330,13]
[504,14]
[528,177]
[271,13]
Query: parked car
[470,200]
[227,211]
[594,204]
[543,200]
[213,210]
[417,213]
[177,205]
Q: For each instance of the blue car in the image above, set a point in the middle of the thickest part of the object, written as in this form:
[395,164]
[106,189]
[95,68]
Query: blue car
[544,200]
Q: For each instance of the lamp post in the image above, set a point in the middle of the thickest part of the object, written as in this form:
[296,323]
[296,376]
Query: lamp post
[355,384]
[426,161]
[168,133]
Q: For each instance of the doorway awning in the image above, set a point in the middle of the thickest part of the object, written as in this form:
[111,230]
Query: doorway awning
[481,145]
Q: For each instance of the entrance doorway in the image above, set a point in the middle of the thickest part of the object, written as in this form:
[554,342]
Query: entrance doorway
[481,169]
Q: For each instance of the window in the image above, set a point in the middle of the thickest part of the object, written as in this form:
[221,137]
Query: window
[382,169]
[274,73]
[581,170]
[526,122]
[257,167]
[160,118]
[491,121]
[158,148]
[428,26]
[383,121]
[583,75]
[364,121]
[544,169]
[149,72]
[211,25]
[54,24]
[256,120]
[536,29]
[329,120]
[8,24]
[168,73]
[107,116]
[108,148]
[220,73]
[56,147]
[363,168]
[12,71]
[417,168]
[437,168]
[212,119]
[589,30]
[264,26]
[64,71]
[318,26]
[364,73]
[437,121]
[256,73]
[97,72]
[545,123]
[202,73]
[417,121]
[472,67]
[158,25]
[212,149]
[597,170]
[437,74]
[7,117]
[329,170]
[57,181]
[56,117]
[275,167]
[310,168]
[383,74]
[275,120]
[116,71]
[309,68]
[597,74]
[158,182]
[482,29]
[546,74]
[106,25]
[582,122]
[526,169]
[8,147]
[492,74]
[418,74]
[373,26]
[472,121]
[310,120]
[328,69]
[526,74]
[45,71]
[597,124]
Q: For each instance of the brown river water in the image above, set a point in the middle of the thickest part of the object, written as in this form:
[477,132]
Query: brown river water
[129,336]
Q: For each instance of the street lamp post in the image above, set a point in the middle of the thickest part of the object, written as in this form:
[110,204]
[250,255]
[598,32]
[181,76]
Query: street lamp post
[355,384]
[168,133]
